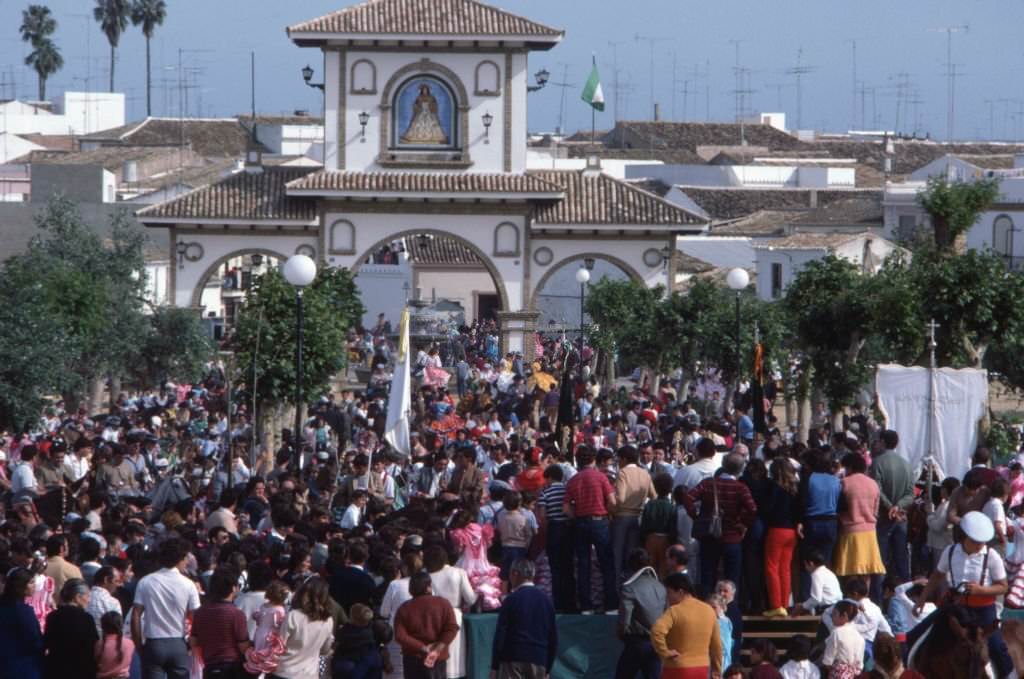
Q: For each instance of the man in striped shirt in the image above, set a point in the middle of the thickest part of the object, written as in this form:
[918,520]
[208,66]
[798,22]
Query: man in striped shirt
[559,539]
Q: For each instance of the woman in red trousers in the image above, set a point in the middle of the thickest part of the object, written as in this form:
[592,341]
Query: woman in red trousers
[783,520]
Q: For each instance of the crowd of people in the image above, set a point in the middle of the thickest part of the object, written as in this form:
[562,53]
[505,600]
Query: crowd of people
[162,539]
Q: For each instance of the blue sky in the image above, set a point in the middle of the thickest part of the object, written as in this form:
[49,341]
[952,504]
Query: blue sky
[893,37]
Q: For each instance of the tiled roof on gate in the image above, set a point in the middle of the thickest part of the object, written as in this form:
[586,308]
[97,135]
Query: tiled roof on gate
[370,183]
[245,195]
[440,250]
[425,17]
[601,199]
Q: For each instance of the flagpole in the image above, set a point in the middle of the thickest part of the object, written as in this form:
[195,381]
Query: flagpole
[593,112]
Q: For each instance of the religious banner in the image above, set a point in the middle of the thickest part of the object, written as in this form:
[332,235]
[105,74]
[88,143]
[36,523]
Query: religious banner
[949,431]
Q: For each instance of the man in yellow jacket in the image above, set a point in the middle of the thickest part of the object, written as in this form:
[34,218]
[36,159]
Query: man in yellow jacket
[686,636]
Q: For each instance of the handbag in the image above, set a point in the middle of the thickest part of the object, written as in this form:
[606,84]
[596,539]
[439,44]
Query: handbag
[710,526]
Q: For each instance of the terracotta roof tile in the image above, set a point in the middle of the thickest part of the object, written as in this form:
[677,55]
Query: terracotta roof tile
[425,17]
[440,251]
[245,195]
[221,137]
[814,241]
[601,199]
[724,203]
[421,182]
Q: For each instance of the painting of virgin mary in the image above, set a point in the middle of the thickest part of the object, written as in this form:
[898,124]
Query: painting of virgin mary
[424,114]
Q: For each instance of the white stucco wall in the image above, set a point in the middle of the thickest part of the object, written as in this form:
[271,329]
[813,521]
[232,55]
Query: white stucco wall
[370,228]
[361,155]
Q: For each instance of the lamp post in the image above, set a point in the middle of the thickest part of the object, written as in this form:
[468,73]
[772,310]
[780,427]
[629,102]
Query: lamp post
[307,75]
[738,279]
[583,277]
[299,271]
[542,76]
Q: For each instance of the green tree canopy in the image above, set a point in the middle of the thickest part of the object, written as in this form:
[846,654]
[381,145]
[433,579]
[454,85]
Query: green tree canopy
[265,334]
[37,25]
[954,207]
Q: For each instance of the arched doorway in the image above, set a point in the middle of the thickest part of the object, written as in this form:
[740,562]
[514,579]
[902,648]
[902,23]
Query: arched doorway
[557,294]
[224,286]
[435,271]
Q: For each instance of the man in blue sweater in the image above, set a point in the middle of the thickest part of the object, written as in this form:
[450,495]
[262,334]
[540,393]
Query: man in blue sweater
[526,638]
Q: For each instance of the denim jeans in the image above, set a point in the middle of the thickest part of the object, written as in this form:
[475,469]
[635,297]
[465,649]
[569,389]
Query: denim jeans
[165,658]
[594,532]
[713,551]
[559,549]
[820,535]
[892,544]
[625,538]
[638,657]
[370,666]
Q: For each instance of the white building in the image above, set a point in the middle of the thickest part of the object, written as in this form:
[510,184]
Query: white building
[995,230]
[778,261]
[425,135]
[77,113]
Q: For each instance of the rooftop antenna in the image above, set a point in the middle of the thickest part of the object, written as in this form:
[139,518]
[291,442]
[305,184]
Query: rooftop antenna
[951,75]
[651,43]
[799,71]
[778,87]
[991,103]
[614,44]
[737,72]
[853,100]
[564,85]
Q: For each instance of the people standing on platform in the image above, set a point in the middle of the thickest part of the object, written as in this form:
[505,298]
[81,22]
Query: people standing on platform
[895,479]
[589,498]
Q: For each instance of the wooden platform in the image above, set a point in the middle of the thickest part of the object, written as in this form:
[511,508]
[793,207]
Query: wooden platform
[777,630]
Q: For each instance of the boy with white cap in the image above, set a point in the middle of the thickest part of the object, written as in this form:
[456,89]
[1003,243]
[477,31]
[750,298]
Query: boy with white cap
[975,576]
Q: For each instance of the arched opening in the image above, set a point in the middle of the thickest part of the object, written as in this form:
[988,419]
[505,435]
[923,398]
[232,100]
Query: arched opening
[446,280]
[224,286]
[559,297]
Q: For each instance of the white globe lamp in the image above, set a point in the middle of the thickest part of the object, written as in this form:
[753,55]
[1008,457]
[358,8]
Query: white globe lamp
[738,279]
[300,270]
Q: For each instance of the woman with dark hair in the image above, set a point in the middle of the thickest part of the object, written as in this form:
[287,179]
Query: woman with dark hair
[686,636]
[307,633]
[71,636]
[752,590]
[21,643]
[857,552]
[782,514]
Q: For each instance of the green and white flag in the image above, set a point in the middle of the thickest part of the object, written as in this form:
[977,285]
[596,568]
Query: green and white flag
[592,92]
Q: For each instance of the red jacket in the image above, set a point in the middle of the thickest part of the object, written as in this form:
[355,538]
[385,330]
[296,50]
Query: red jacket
[735,504]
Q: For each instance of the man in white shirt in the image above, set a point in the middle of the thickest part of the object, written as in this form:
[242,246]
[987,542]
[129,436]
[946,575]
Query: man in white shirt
[23,479]
[76,465]
[354,513]
[163,601]
[101,596]
[707,464]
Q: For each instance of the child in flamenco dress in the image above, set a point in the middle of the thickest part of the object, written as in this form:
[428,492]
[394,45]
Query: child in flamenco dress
[267,646]
[41,599]
[472,540]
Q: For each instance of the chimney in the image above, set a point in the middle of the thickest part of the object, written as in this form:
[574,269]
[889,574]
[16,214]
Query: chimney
[254,159]
[657,112]
[593,167]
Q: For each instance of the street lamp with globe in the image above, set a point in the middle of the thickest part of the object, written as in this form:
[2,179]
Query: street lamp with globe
[738,279]
[299,271]
[583,277]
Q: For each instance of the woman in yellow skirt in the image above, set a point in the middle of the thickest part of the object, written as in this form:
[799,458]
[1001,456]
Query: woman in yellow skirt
[857,551]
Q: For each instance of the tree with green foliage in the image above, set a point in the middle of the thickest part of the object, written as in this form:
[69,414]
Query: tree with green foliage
[833,315]
[264,336]
[112,16]
[175,347]
[149,14]
[954,207]
[37,25]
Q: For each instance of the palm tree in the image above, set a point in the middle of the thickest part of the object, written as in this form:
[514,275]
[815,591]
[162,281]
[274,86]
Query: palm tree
[37,25]
[46,60]
[149,14]
[112,16]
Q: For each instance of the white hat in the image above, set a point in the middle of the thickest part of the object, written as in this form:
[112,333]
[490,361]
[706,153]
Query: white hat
[977,527]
